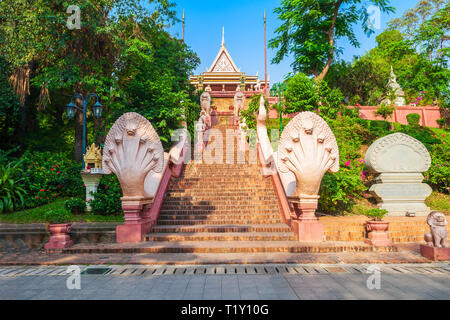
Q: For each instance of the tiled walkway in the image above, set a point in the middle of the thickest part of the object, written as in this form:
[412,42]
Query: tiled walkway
[266,282]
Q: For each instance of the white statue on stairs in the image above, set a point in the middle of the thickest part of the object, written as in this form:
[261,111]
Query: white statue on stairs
[258,85]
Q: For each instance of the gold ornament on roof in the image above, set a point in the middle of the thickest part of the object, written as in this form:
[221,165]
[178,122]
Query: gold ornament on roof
[93,157]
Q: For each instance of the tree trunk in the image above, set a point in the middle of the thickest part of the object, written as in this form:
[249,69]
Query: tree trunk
[330,33]
[20,81]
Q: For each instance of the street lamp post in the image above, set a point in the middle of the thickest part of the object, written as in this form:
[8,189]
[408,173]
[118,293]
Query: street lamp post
[97,109]
[279,89]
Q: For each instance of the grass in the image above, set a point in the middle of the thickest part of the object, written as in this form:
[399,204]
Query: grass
[361,207]
[36,215]
[439,202]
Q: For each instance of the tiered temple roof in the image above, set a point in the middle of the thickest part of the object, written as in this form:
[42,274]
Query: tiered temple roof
[223,77]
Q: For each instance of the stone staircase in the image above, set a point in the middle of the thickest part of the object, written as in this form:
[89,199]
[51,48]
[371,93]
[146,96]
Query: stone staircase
[222,213]
[221,208]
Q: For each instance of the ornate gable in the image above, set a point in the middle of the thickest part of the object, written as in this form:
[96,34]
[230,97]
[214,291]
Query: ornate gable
[223,64]
[223,61]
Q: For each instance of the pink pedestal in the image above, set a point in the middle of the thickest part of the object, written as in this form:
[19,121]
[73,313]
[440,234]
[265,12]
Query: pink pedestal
[59,236]
[433,253]
[308,231]
[378,235]
[305,223]
[137,224]
[378,239]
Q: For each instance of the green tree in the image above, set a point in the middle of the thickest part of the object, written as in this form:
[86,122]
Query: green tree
[310,29]
[122,52]
[427,24]
[367,76]
[9,108]
[306,94]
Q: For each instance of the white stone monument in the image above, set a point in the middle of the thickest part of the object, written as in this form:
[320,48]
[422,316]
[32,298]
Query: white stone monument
[399,160]
[399,93]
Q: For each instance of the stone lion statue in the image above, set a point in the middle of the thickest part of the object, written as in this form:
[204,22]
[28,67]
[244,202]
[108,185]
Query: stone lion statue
[438,236]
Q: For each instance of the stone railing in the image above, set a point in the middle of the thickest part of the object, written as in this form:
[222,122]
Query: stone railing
[133,151]
[307,149]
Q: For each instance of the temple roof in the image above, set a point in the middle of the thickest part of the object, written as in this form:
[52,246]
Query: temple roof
[223,61]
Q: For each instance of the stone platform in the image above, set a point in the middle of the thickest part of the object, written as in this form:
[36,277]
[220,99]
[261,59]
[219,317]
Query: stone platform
[433,253]
[403,253]
[352,228]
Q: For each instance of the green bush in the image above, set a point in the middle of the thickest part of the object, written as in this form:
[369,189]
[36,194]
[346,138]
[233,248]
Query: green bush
[301,94]
[385,111]
[305,94]
[376,214]
[438,176]
[12,191]
[413,119]
[50,175]
[252,111]
[76,205]
[340,190]
[107,198]
[58,216]
[423,134]
[442,122]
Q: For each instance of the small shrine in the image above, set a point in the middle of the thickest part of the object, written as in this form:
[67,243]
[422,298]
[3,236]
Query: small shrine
[93,157]
[395,87]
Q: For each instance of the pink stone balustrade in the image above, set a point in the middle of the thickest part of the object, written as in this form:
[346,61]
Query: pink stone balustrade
[428,114]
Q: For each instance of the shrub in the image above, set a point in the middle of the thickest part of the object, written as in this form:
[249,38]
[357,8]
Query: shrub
[442,122]
[350,112]
[413,119]
[376,214]
[301,94]
[340,190]
[355,100]
[12,192]
[305,94]
[252,111]
[48,175]
[107,198]
[76,205]
[385,111]
[438,176]
[423,134]
[58,216]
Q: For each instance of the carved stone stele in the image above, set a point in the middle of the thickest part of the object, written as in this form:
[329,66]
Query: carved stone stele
[399,161]
[205,102]
[239,101]
[308,149]
[397,152]
[132,150]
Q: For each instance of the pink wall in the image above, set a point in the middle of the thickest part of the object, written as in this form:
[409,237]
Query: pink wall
[428,114]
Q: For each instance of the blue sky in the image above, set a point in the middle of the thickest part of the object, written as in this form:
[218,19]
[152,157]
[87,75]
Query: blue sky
[244,33]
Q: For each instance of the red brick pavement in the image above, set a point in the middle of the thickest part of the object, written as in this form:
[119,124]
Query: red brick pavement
[407,253]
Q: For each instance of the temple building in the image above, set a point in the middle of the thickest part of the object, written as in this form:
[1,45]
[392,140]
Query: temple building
[223,79]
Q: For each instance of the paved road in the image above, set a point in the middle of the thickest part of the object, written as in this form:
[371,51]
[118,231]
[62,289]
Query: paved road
[267,282]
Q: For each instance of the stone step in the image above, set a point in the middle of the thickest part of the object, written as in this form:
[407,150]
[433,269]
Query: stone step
[219,212]
[221,236]
[224,247]
[269,199]
[213,206]
[222,228]
[162,221]
[222,217]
